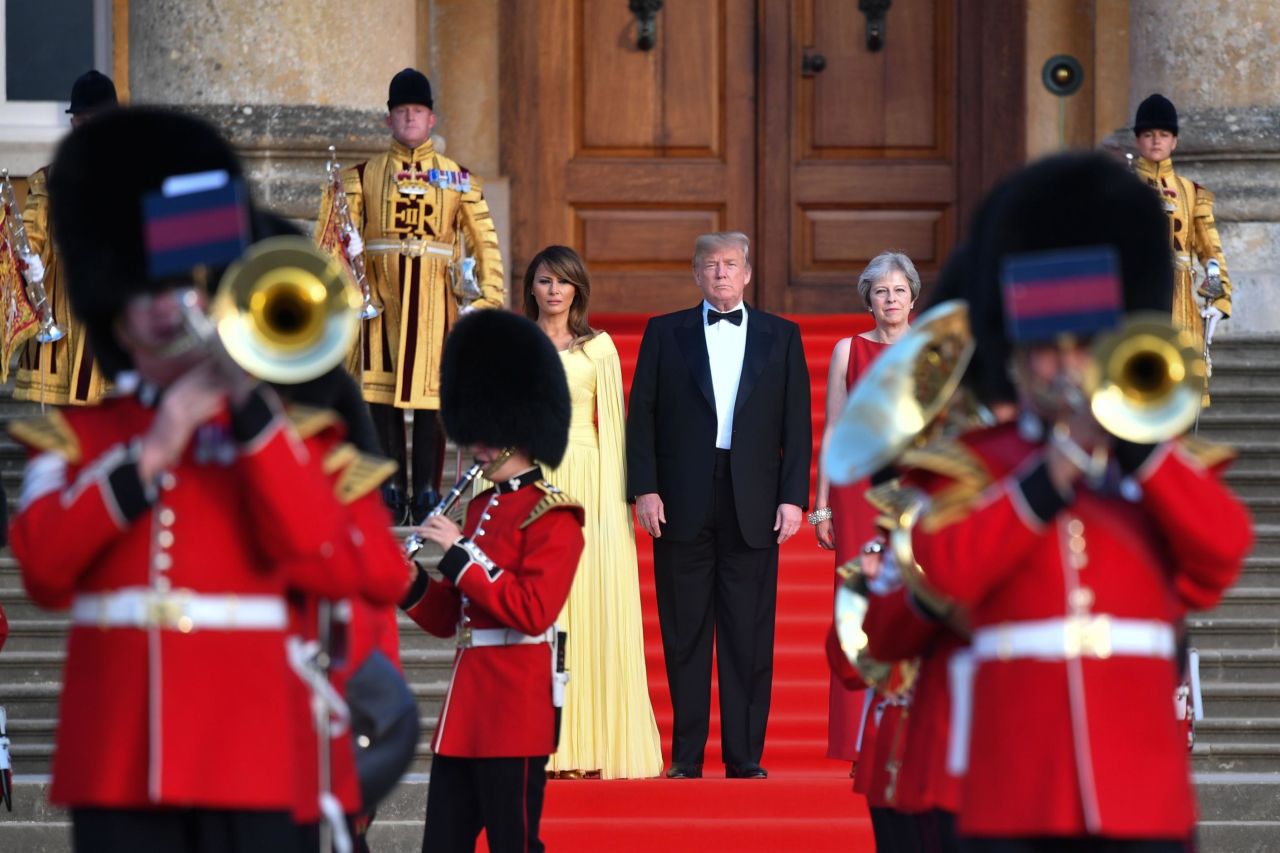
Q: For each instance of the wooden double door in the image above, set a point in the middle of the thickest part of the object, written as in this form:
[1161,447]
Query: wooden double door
[770,117]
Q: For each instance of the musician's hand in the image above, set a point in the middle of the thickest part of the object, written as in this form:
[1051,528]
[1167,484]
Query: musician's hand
[440,530]
[1211,317]
[825,531]
[787,521]
[34,272]
[650,513]
[190,401]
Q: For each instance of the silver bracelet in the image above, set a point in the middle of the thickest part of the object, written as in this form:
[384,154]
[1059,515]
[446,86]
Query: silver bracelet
[820,515]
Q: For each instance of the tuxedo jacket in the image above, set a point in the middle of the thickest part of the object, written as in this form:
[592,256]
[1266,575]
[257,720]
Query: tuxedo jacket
[671,424]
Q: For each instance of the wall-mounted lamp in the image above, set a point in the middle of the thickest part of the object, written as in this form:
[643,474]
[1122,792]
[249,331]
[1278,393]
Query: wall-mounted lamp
[646,12]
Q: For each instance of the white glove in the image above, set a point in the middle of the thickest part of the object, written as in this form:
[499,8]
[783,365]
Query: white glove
[355,245]
[34,273]
[1211,317]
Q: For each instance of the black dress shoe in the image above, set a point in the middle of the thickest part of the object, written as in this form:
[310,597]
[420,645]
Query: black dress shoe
[745,771]
[684,771]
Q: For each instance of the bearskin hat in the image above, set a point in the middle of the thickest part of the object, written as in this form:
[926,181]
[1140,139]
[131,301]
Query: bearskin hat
[97,182]
[502,385]
[1061,202]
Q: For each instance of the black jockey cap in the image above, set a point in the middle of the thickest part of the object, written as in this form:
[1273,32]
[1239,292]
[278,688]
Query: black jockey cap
[1156,113]
[502,385]
[92,90]
[1059,204]
[100,175]
[410,86]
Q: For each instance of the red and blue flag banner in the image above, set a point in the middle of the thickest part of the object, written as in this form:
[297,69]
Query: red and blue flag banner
[1061,292]
[202,221]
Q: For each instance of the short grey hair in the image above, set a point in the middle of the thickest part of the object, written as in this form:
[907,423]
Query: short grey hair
[714,242]
[883,264]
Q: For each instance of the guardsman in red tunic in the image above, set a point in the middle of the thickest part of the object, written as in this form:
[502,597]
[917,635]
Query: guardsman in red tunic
[171,521]
[507,574]
[1077,553]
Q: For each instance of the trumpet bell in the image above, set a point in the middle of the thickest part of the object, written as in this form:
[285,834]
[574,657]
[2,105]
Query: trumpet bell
[900,394]
[1145,380]
[285,311]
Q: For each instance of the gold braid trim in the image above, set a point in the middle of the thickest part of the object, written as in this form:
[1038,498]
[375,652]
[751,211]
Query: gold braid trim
[358,473]
[308,421]
[554,498]
[1209,454]
[956,462]
[50,433]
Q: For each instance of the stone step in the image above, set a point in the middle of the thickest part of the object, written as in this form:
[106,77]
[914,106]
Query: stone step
[1251,666]
[1226,699]
[1238,796]
[1237,426]
[1239,730]
[1260,571]
[1213,632]
[1232,836]
[1235,757]
[1248,602]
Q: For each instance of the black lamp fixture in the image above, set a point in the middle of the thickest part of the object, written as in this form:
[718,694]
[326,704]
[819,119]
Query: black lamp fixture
[646,12]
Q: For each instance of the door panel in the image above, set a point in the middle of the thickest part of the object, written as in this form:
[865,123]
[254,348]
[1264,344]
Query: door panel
[661,147]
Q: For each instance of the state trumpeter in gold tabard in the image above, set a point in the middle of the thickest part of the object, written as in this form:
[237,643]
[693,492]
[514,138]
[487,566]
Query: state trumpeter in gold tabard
[431,252]
[1193,232]
[62,372]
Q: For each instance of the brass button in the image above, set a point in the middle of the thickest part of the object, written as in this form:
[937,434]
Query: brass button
[1076,544]
[166,517]
[165,538]
[1081,599]
[1075,527]
[163,562]
[185,625]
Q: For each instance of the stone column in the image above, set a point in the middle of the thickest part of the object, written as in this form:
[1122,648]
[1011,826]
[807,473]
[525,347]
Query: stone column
[283,79]
[1219,62]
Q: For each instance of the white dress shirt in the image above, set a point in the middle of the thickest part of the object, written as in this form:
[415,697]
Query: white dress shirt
[726,346]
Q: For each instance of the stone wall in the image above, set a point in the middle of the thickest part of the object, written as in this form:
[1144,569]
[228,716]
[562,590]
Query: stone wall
[1219,62]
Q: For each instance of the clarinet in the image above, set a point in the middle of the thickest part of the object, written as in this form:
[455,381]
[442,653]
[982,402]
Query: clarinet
[413,543]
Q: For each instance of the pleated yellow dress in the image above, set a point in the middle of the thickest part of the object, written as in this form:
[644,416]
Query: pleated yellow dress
[608,722]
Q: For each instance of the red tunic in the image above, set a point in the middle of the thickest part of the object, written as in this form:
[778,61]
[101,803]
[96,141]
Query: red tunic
[384,579]
[853,523]
[158,713]
[897,630]
[1085,744]
[499,702]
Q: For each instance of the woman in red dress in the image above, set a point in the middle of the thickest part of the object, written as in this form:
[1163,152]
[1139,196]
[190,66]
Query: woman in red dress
[844,521]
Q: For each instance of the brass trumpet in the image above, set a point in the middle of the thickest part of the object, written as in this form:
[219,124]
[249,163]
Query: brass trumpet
[284,312]
[1145,380]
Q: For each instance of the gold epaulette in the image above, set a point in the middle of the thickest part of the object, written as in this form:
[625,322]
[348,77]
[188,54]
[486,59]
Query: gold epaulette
[1209,454]
[552,498]
[37,182]
[309,421]
[50,433]
[961,466]
[361,473]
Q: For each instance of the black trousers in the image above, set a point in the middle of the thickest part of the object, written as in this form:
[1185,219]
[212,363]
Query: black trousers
[895,831]
[1072,845]
[937,829]
[502,796]
[428,445]
[715,588]
[182,831]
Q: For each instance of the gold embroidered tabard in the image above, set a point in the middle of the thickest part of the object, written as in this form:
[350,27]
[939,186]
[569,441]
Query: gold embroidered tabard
[63,372]
[414,209]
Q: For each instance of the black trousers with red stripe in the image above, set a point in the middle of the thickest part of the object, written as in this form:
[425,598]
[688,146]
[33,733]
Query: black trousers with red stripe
[502,796]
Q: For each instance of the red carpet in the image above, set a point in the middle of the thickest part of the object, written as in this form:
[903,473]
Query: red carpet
[806,804]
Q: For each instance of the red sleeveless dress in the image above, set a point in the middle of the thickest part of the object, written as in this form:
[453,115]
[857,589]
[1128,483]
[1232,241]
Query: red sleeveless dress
[853,522]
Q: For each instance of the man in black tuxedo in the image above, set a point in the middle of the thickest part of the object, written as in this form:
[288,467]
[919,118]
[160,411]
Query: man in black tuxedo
[719,441]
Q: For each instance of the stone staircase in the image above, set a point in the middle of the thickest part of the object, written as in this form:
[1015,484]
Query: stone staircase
[30,683]
[1237,754]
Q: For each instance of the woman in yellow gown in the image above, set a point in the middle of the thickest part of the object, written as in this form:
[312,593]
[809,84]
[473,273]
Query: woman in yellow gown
[608,727]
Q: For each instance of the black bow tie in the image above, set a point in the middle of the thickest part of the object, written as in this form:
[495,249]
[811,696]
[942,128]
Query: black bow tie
[734,316]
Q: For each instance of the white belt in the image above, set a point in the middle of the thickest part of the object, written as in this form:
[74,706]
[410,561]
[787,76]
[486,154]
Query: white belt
[413,247]
[505,637]
[180,610]
[1095,636]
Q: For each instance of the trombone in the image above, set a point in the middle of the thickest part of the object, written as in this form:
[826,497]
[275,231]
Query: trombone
[284,311]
